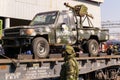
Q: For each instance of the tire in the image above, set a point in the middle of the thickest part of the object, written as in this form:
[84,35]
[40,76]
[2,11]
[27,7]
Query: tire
[40,48]
[92,47]
[11,52]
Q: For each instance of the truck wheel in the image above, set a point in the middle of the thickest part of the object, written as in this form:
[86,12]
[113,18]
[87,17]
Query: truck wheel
[92,47]
[40,47]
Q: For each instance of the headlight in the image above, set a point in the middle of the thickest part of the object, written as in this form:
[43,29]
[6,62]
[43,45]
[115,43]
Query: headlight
[30,32]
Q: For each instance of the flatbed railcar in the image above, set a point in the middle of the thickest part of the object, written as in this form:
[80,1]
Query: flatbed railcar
[90,68]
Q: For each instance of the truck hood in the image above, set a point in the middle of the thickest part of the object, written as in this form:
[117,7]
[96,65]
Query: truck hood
[42,29]
[24,27]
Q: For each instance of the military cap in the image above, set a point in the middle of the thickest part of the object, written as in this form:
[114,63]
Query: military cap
[69,50]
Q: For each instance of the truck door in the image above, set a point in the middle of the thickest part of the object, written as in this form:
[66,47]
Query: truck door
[66,29]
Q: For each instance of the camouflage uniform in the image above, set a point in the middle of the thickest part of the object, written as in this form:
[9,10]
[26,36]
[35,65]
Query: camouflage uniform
[69,69]
[115,49]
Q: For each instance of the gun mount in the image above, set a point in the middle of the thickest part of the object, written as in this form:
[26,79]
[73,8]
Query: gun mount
[81,11]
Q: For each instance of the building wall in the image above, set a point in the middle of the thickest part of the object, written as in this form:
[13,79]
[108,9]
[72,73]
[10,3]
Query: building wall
[114,29]
[26,9]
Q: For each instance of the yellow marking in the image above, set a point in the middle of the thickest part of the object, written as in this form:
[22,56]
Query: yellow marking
[2,67]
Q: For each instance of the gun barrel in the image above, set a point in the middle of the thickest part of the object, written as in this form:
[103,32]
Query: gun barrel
[67,5]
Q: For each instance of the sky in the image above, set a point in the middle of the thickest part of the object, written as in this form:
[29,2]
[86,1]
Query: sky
[110,10]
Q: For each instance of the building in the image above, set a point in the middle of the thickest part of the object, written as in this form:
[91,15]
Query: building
[114,29]
[20,12]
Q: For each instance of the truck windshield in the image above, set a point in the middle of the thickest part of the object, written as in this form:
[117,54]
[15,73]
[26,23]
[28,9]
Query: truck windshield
[44,19]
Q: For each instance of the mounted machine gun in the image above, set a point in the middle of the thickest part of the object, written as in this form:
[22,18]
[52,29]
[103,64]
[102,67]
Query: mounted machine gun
[81,11]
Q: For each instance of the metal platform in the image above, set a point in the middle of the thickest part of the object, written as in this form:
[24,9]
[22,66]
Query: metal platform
[27,69]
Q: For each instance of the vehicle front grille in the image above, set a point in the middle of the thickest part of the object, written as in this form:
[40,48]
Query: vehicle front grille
[12,32]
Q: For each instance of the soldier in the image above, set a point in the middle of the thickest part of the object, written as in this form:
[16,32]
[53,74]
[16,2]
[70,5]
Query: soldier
[115,47]
[110,49]
[69,69]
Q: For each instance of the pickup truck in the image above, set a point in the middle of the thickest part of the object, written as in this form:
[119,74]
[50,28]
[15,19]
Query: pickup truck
[51,29]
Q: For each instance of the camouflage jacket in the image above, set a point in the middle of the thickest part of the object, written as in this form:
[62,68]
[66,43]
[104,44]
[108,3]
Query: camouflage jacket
[69,70]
